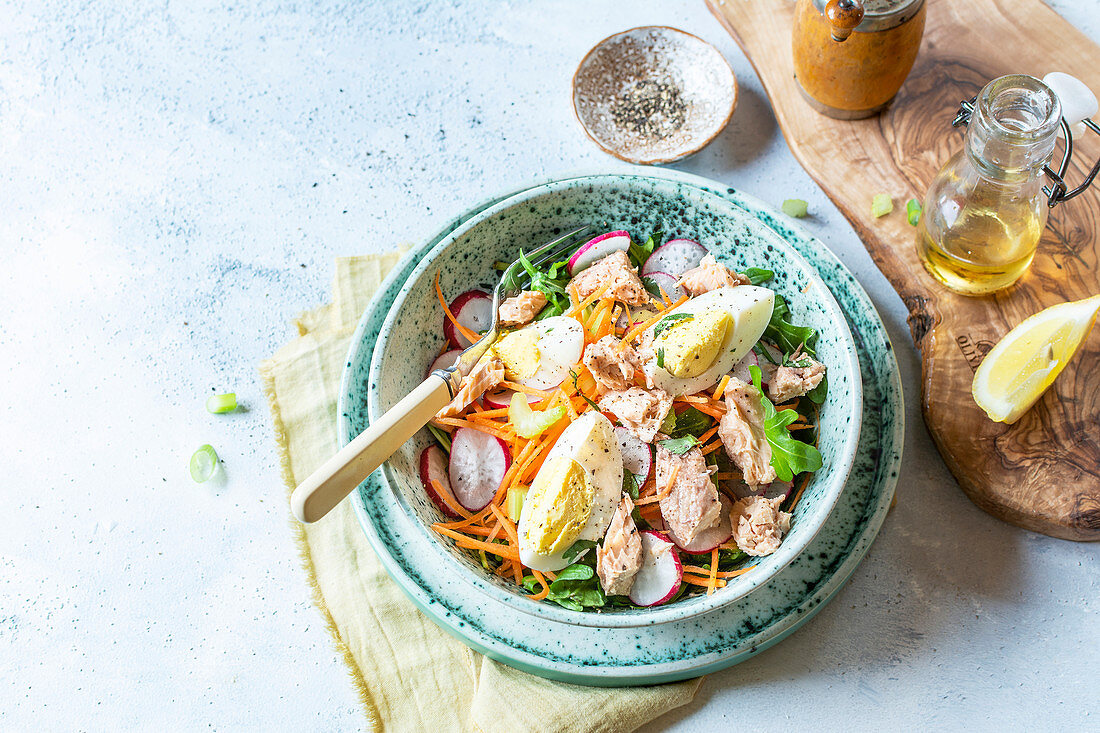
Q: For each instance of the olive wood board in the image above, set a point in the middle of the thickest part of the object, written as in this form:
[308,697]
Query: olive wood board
[1043,472]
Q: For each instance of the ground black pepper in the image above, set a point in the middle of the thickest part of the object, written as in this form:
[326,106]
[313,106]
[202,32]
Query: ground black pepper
[652,109]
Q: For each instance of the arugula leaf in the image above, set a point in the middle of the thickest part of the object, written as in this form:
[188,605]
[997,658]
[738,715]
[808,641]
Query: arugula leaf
[758,275]
[679,446]
[576,549]
[789,456]
[817,394]
[630,485]
[550,283]
[652,287]
[785,334]
[639,253]
[691,422]
[576,376]
[669,321]
[668,424]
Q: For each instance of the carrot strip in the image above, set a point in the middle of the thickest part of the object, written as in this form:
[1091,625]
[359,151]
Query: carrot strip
[498,412]
[545,587]
[663,493]
[708,435]
[637,330]
[713,571]
[568,404]
[692,580]
[664,297]
[513,537]
[451,316]
[465,542]
[728,476]
[449,499]
[721,388]
[592,298]
[459,423]
[527,390]
[798,494]
[715,445]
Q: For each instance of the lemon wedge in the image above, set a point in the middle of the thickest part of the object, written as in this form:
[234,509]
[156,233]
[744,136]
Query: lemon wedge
[1023,364]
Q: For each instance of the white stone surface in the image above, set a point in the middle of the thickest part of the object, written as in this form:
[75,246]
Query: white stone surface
[175,180]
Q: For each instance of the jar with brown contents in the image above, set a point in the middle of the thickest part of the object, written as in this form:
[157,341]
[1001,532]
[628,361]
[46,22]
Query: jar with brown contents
[851,56]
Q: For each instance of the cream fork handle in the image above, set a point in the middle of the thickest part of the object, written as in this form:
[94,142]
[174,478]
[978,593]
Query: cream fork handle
[342,473]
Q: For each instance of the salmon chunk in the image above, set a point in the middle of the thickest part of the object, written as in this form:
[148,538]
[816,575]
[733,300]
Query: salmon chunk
[794,381]
[620,557]
[640,411]
[611,364]
[486,375]
[742,432]
[710,275]
[758,525]
[691,505]
[522,309]
[616,269]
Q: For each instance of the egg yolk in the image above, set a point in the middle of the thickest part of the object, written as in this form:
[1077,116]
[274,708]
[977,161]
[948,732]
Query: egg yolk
[691,346]
[519,350]
[558,506]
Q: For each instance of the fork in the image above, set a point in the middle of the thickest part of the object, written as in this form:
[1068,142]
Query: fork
[340,475]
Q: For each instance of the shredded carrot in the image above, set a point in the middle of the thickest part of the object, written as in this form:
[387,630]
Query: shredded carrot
[663,493]
[592,298]
[449,499]
[465,542]
[786,406]
[708,435]
[527,390]
[705,582]
[459,524]
[480,426]
[798,494]
[568,404]
[721,388]
[513,536]
[715,445]
[713,571]
[545,587]
[664,296]
[798,426]
[728,476]
[470,335]
[498,412]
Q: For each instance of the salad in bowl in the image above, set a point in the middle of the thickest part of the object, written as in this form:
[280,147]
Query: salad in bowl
[640,433]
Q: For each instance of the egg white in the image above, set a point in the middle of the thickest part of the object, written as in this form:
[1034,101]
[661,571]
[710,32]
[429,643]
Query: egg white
[750,309]
[560,344]
[590,441]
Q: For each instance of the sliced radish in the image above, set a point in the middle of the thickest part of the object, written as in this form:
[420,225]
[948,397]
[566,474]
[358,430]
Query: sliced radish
[668,284]
[637,454]
[433,467]
[708,539]
[503,398]
[661,573]
[741,369]
[474,310]
[478,464]
[675,257]
[597,248]
[445,360]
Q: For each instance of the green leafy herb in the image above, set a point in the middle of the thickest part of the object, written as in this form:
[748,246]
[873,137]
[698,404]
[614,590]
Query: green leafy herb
[787,336]
[817,394]
[796,208]
[652,287]
[912,212]
[576,549]
[669,321]
[639,253]
[668,424]
[550,283]
[758,275]
[630,485]
[531,583]
[577,587]
[760,350]
[789,456]
[661,357]
[441,437]
[679,446]
[691,422]
[575,377]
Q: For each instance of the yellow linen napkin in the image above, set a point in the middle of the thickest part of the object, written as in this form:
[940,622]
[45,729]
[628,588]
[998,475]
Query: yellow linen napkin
[409,673]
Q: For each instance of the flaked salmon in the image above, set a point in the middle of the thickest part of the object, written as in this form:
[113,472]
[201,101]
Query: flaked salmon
[522,309]
[794,381]
[742,432]
[486,375]
[710,275]
[611,363]
[691,505]
[620,557]
[615,269]
[758,525]
[640,411]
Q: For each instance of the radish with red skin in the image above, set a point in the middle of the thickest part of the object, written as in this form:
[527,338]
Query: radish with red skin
[661,573]
[675,257]
[709,538]
[433,467]
[446,360]
[667,283]
[474,310]
[478,464]
[597,248]
[637,454]
[503,398]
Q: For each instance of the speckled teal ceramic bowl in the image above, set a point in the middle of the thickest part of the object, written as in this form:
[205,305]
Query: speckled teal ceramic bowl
[412,335]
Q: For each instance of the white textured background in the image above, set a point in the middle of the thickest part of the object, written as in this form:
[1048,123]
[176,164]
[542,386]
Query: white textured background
[175,180]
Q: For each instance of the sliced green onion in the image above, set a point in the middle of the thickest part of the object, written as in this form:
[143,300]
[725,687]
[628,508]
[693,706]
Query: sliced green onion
[881,205]
[912,211]
[221,403]
[204,462]
[442,437]
[795,207]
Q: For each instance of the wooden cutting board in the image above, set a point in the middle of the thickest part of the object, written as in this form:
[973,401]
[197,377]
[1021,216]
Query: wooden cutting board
[1042,473]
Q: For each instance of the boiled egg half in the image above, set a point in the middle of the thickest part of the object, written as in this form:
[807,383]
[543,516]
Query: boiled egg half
[541,354]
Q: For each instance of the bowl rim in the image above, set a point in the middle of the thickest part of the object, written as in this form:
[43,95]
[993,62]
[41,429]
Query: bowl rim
[654,160]
[633,617]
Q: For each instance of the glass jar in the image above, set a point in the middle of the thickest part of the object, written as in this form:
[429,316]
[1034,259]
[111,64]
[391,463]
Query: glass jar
[985,210]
